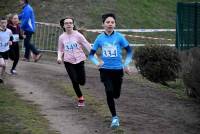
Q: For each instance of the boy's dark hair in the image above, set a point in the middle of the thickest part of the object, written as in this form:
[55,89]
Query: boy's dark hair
[62,22]
[105,16]
[3,18]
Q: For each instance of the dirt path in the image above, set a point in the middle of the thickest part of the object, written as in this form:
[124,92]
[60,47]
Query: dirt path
[34,83]
[143,108]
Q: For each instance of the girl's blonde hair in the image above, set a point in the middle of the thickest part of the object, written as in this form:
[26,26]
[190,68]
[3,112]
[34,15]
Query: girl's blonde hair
[10,17]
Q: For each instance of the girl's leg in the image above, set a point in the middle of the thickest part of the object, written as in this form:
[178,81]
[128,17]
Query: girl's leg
[16,58]
[70,68]
[15,53]
[80,70]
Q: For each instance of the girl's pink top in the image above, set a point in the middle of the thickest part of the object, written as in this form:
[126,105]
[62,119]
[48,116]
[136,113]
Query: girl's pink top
[71,45]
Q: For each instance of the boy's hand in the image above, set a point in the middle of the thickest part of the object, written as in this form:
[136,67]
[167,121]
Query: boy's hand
[127,70]
[100,64]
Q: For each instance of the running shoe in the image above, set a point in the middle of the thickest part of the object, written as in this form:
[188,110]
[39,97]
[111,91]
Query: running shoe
[13,72]
[25,59]
[115,122]
[37,57]
[81,102]
[1,81]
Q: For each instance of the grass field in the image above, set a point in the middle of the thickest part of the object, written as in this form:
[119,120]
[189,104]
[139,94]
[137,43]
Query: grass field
[18,116]
[130,13]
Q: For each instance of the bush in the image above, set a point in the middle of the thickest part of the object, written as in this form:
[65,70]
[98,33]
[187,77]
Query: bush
[191,71]
[157,63]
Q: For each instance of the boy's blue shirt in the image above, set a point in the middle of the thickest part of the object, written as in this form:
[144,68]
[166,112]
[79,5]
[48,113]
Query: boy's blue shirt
[111,49]
[27,18]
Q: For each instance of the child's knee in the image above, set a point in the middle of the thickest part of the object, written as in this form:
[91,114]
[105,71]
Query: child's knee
[2,63]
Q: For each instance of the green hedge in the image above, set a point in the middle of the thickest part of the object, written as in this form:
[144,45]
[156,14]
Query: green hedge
[157,63]
[191,71]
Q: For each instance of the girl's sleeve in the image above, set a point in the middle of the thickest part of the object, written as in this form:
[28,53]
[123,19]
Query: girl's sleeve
[11,35]
[20,33]
[60,48]
[85,43]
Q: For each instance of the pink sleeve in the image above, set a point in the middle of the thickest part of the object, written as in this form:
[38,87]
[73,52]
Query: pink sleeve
[84,42]
[60,45]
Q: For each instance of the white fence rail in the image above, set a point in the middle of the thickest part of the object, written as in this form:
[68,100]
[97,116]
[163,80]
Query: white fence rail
[46,35]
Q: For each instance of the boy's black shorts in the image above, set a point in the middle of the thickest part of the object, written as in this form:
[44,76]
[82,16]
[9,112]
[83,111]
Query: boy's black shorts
[4,55]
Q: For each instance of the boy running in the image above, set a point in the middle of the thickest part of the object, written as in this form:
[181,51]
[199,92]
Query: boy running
[5,41]
[111,68]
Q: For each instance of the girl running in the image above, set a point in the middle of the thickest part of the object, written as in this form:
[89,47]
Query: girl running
[13,25]
[111,69]
[70,45]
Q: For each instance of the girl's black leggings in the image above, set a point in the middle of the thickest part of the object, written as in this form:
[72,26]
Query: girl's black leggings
[112,80]
[76,73]
[14,55]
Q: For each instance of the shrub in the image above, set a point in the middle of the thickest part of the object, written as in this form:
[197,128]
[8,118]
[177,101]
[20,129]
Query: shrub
[191,71]
[157,63]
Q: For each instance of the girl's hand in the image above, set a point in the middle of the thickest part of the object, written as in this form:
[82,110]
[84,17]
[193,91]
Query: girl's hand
[24,36]
[59,61]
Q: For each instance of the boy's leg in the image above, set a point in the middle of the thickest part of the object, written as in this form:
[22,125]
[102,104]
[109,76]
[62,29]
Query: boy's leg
[106,79]
[2,67]
[117,83]
[70,68]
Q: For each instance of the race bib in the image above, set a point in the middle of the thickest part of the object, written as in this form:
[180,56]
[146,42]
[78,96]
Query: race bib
[70,46]
[3,44]
[15,37]
[109,51]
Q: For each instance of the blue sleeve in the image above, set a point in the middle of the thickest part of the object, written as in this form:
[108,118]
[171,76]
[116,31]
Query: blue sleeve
[92,57]
[20,15]
[129,56]
[26,17]
[125,44]
[93,51]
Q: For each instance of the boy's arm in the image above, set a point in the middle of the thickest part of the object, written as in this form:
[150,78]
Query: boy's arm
[93,58]
[128,56]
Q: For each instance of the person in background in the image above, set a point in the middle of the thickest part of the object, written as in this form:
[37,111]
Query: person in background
[70,50]
[111,67]
[27,18]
